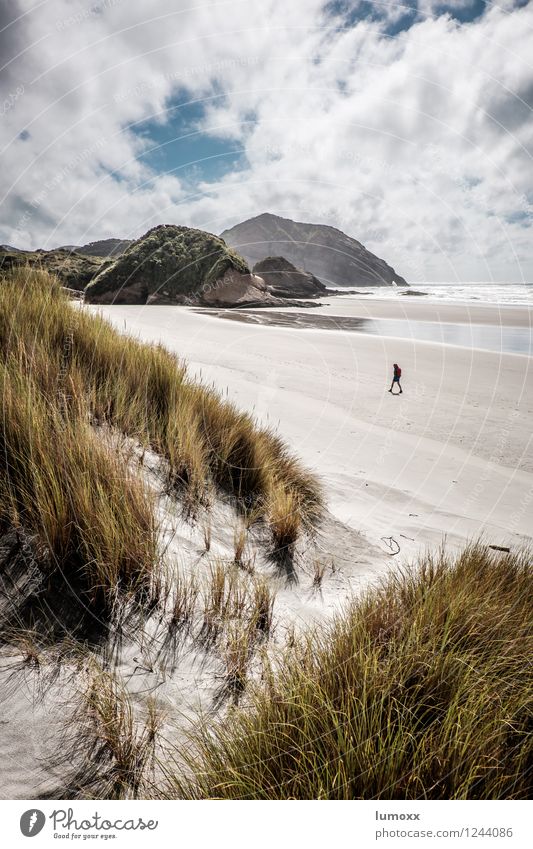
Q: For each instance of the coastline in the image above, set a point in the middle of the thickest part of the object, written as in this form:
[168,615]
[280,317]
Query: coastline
[449,459]
[425,309]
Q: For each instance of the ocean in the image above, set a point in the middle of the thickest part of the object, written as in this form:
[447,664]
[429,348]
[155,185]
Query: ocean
[487,337]
[485,293]
[497,338]
[497,332]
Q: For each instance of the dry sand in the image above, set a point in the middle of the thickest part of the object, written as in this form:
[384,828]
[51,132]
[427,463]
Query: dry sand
[450,458]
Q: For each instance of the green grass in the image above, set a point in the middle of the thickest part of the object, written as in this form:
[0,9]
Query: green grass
[90,519]
[421,689]
[145,392]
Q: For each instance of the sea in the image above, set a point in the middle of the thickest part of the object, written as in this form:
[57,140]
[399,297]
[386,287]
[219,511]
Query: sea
[517,294]
[501,338]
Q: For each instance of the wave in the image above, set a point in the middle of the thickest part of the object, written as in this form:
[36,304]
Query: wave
[488,293]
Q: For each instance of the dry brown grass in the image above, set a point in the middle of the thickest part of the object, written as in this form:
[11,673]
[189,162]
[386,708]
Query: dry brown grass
[145,392]
[421,689]
[112,749]
[319,571]
[70,382]
[237,650]
[186,592]
[92,518]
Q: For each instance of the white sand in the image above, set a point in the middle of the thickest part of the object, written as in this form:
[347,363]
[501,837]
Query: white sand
[450,457]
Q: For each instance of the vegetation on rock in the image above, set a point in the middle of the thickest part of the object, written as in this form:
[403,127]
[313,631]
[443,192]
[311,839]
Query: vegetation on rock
[73,270]
[169,264]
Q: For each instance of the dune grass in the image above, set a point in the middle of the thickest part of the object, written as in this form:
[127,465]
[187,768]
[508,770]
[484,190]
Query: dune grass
[112,749]
[144,392]
[90,519]
[421,689]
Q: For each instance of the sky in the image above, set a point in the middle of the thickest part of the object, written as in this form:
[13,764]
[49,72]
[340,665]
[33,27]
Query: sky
[406,125]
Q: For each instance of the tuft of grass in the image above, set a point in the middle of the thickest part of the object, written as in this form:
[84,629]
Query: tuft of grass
[241,557]
[262,607]
[115,750]
[94,521]
[237,651]
[230,596]
[420,689]
[239,544]
[319,572]
[285,519]
[145,392]
[186,592]
[224,599]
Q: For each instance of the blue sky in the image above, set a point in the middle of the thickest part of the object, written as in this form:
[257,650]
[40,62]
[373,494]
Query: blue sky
[179,145]
[178,140]
[406,125]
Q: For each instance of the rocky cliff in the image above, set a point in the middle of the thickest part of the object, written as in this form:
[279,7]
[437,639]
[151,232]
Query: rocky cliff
[179,265]
[284,280]
[332,256]
[74,270]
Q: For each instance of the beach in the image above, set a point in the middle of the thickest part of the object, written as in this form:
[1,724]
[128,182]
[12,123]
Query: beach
[450,459]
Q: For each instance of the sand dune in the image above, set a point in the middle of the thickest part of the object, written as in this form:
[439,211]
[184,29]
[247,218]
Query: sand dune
[450,457]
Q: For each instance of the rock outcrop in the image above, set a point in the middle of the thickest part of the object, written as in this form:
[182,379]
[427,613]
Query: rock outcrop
[284,280]
[239,290]
[75,271]
[332,256]
[177,265]
[105,247]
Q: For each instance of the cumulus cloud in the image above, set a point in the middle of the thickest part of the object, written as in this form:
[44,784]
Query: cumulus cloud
[415,140]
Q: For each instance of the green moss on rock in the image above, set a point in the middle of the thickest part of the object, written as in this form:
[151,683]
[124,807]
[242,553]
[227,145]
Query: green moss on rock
[73,270]
[168,264]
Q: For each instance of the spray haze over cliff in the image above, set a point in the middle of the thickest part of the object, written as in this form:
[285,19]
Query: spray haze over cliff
[332,256]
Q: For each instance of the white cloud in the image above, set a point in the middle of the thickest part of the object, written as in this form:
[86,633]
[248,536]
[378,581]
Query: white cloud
[418,145]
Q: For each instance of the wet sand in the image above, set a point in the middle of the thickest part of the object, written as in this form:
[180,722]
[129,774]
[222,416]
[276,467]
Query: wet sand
[347,312]
[450,458]
[496,335]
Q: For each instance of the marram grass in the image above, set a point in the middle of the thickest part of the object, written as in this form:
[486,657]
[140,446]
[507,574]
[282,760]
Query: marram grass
[422,689]
[71,491]
[81,362]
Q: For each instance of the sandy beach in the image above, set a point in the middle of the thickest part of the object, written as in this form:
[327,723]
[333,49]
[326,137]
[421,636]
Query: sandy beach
[413,308]
[450,458]
[236,563]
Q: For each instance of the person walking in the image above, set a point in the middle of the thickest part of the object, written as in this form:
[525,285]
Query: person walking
[396,379]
